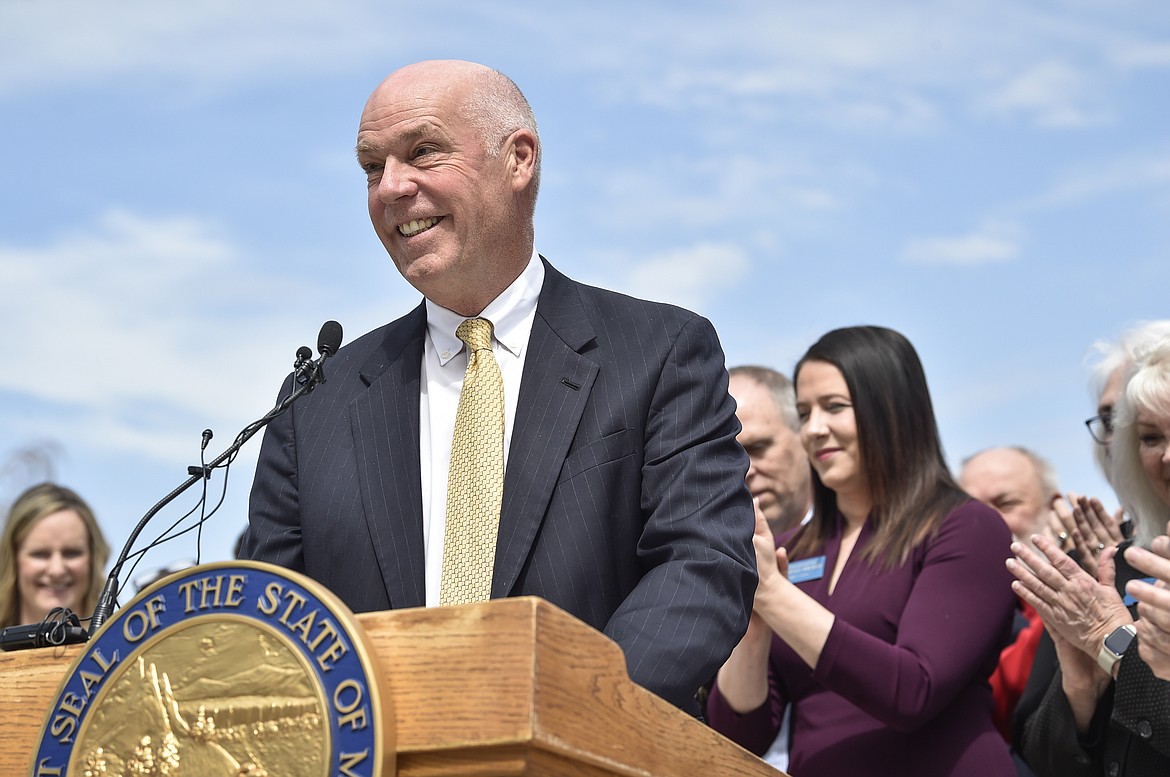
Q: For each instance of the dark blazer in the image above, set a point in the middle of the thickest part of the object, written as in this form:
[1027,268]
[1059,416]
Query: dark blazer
[1129,735]
[624,496]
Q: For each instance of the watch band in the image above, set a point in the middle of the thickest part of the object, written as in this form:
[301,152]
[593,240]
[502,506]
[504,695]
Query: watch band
[1115,646]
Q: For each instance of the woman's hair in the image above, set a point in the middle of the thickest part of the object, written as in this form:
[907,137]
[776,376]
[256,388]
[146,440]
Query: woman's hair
[1107,357]
[1148,388]
[910,485]
[29,508]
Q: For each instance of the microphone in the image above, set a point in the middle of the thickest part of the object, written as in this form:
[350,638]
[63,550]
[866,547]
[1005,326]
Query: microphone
[302,365]
[328,341]
[67,630]
[311,373]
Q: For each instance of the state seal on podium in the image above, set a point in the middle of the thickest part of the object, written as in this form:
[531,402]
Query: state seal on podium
[234,668]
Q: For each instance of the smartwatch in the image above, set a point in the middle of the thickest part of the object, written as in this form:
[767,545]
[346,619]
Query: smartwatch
[1118,641]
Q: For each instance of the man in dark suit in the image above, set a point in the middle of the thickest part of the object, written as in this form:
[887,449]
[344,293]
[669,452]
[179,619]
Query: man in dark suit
[623,496]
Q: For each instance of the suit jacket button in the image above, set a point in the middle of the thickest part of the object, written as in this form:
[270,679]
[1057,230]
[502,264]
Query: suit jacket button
[1145,730]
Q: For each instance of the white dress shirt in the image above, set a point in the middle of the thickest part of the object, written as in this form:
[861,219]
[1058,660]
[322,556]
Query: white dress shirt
[444,362]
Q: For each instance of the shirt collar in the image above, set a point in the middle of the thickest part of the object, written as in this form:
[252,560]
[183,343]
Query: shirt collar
[510,313]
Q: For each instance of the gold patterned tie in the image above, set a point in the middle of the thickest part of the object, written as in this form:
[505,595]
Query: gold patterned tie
[475,485]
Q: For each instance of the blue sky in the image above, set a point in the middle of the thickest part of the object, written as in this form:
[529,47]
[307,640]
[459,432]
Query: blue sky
[182,210]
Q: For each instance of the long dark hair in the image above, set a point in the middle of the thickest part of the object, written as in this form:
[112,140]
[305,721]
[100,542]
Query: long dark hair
[910,486]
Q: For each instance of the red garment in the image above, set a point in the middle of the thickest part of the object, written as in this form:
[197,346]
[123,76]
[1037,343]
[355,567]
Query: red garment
[1015,664]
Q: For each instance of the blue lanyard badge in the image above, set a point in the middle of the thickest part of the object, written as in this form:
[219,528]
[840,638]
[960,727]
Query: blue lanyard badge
[806,569]
[1129,600]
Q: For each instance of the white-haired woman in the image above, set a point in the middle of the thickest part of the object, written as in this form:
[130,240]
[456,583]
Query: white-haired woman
[1105,712]
[1086,526]
[1142,465]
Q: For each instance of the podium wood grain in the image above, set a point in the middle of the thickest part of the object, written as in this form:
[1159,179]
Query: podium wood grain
[508,687]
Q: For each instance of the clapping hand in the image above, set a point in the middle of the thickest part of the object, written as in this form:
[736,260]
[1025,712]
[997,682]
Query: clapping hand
[1088,528]
[771,562]
[1073,605]
[1153,625]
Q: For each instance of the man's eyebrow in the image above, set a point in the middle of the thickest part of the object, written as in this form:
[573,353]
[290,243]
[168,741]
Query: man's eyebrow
[411,134]
[363,146]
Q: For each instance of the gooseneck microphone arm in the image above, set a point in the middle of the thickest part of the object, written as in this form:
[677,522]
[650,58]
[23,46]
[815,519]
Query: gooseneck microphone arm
[307,373]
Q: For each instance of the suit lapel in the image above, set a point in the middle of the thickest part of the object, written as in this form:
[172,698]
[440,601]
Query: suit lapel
[547,414]
[385,427]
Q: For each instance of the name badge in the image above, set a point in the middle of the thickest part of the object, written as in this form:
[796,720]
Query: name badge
[1127,599]
[806,569]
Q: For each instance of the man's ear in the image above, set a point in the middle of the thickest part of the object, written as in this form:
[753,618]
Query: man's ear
[521,148]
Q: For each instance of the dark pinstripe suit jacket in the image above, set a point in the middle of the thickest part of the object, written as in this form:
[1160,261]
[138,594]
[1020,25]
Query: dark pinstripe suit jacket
[624,497]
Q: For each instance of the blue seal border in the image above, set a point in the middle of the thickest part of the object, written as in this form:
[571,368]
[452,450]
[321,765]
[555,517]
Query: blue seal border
[337,651]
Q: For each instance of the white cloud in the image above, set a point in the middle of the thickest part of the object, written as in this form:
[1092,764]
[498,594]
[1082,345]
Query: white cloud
[209,42]
[1050,94]
[711,193]
[845,63]
[133,322]
[864,66]
[1144,169]
[993,242]
[123,286]
[689,277]
[1142,55]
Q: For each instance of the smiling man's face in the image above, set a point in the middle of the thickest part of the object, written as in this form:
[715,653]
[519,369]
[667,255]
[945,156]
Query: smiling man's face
[445,202]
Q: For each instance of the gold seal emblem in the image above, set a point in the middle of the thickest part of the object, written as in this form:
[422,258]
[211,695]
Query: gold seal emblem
[236,668]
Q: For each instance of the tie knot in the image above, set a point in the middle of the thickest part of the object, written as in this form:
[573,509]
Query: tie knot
[477,333]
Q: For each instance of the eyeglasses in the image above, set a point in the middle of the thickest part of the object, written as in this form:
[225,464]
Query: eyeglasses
[1101,427]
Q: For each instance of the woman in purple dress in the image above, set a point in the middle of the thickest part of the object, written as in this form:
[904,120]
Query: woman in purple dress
[883,628]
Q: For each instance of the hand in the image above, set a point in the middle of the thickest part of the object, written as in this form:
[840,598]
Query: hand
[1095,522]
[771,562]
[1061,523]
[1082,680]
[1153,625]
[794,616]
[1090,527]
[1161,545]
[767,567]
[743,679]
[1083,611]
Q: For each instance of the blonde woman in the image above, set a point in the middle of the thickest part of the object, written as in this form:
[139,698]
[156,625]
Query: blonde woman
[52,555]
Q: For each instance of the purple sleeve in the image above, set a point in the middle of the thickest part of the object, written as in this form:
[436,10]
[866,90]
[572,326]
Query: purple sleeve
[950,633]
[756,730]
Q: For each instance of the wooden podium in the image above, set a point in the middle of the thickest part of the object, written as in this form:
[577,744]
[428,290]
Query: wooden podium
[508,687]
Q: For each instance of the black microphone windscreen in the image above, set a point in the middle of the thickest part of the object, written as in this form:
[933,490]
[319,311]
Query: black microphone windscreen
[329,340]
[304,354]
